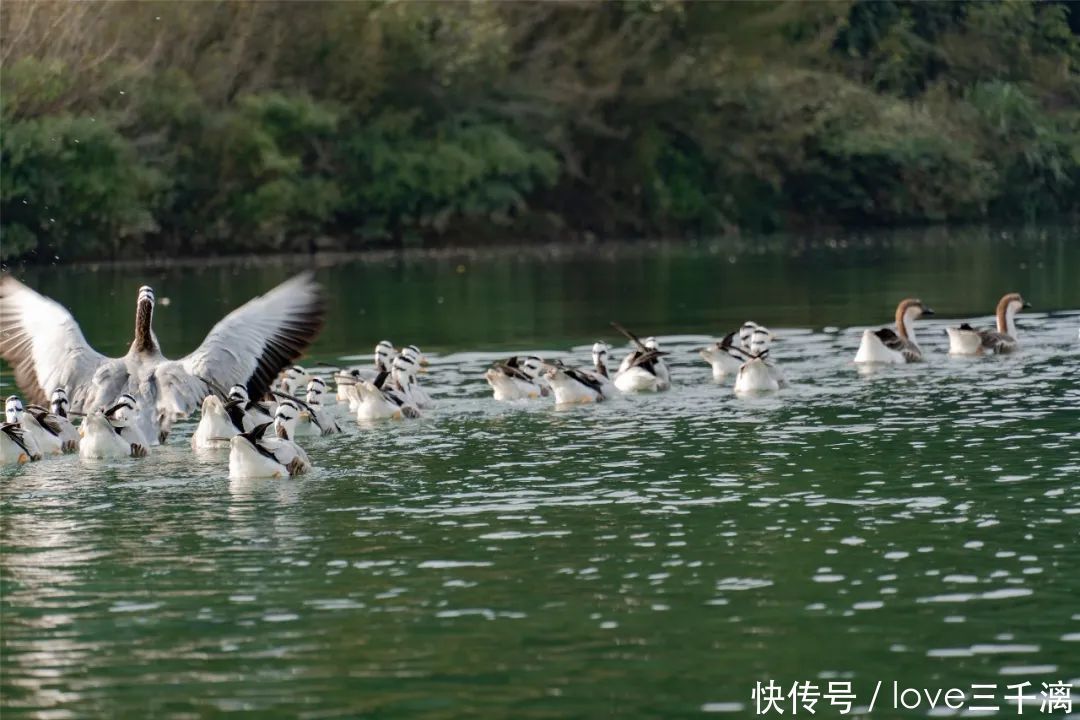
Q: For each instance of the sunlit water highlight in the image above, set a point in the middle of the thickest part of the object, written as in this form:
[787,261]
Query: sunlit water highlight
[650,556]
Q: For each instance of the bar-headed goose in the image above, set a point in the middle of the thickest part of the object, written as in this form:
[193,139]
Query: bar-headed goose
[46,348]
[967,340]
[643,370]
[758,373]
[218,422]
[124,417]
[575,386]
[13,445]
[58,405]
[255,413]
[518,378]
[600,353]
[409,364]
[887,346]
[102,439]
[727,355]
[39,426]
[259,454]
[380,399]
[314,419]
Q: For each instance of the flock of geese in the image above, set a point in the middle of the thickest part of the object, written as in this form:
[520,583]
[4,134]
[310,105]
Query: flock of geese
[253,401]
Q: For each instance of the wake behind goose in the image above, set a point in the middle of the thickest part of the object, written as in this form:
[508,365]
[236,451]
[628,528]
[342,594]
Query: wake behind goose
[46,348]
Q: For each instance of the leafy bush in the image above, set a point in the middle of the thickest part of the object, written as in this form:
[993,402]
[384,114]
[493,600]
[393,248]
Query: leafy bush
[73,186]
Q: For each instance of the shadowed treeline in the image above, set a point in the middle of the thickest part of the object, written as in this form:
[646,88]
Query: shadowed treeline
[208,128]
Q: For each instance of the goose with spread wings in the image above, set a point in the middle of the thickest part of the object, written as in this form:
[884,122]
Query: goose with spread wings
[41,340]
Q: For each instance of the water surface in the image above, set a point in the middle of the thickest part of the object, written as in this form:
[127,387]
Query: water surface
[651,556]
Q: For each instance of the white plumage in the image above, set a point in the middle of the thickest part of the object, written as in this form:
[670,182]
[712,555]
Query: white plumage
[44,344]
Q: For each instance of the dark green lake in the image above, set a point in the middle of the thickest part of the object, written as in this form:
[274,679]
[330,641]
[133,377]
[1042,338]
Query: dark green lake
[647,557]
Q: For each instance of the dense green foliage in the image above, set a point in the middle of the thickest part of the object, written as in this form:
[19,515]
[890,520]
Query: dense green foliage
[178,128]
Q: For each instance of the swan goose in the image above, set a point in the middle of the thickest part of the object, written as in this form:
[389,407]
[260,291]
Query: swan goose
[967,340]
[901,346]
[43,343]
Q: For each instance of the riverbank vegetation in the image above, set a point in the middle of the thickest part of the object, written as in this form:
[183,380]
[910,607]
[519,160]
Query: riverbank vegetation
[132,129]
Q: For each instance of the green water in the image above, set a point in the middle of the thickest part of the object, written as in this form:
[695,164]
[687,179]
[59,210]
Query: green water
[648,557]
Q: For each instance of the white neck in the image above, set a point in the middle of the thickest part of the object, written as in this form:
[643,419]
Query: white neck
[908,330]
[1010,321]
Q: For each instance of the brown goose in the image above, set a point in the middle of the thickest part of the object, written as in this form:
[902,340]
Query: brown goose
[899,346]
[968,340]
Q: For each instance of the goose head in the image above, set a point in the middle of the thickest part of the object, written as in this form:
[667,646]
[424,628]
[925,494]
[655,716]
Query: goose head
[13,409]
[417,356]
[383,352]
[759,341]
[600,352]
[746,334]
[1007,307]
[403,369]
[123,412]
[907,312]
[59,403]
[315,390]
[295,377]
[145,340]
[651,344]
[532,367]
[239,392]
[285,419]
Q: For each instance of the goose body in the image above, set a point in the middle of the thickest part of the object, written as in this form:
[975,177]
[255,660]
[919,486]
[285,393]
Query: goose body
[345,379]
[968,340]
[894,347]
[644,369]
[378,400]
[14,448]
[758,374]
[46,348]
[726,357]
[218,422]
[409,364]
[257,454]
[58,405]
[572,386]
[41,432]
[125,416]
[315,420]
[517,378]
[101,440]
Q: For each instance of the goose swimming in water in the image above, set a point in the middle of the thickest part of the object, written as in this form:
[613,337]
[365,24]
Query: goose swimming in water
[600,353]
[573,386]
[255,413]
[58,405]
[258,454]
[758,374]
[314,420]
[124,417]
[218,421]
[967,340]
[106,435]
[517,378]
[46,348]
[727,356]
[414,362]
[643,370]
[380,399]
[345,379]
[13,445]
[901,346]
[40,428]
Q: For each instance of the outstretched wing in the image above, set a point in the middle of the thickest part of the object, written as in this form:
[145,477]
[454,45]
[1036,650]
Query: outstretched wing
[253,343]
[44,345]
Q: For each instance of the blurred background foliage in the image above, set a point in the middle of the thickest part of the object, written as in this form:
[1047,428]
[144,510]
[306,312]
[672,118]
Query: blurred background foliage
[133,128]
